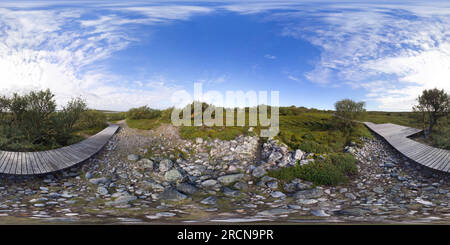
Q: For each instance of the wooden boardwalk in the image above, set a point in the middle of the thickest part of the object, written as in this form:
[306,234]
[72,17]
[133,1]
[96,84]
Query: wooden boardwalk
[42,162]
[397,137]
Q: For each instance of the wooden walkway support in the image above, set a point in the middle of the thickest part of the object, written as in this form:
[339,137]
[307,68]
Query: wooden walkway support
[397,137]
[43,162]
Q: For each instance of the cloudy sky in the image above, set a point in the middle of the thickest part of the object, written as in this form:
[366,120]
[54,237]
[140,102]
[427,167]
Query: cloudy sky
[119,55]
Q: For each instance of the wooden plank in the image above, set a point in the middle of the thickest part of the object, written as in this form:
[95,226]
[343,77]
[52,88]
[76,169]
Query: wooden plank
[45,157]
[35,163]
[71,160]
[2,158]
[425,158]
[45,165]
[60,161]
[397,137]
[6,160]
[438,160]
[26,166]
[79,151]
[12,164]
[75,158]
[414,147]
[413,154]
[443,162]
[446,167]
[18,167]
[53,160]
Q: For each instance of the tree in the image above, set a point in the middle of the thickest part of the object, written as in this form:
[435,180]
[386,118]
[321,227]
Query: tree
[433,105]
[65,120]
[4,105]
[347,111]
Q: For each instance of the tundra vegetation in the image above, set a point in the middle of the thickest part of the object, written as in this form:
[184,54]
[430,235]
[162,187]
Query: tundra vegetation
[31,122]
[314,131]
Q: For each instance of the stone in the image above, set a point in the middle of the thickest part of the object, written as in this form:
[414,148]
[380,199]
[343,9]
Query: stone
[172,194]
[146,163]
[278,194]
[199,140]
[307,201]
[88,175]
[424,202]
[209,183]
[122,199]
[290,187]
[98,181]
[275,211]
[307,161]
[230,192]
[165,165]
[275,156]
[165,214]
[308,194]
[187,188]
[133,157]
[266,179]
[350,196]
[230,179]
[298,155]
[102,190]
[351,212]
[258,172]
[378,189]
[54,195]
[173,175]
[319,213]
[211,200]
[272,185]
[153,185]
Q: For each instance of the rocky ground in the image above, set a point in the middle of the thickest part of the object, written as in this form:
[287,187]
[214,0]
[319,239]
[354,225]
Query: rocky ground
[156,177]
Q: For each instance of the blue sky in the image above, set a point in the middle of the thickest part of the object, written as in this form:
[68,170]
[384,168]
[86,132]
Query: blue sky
[121,55]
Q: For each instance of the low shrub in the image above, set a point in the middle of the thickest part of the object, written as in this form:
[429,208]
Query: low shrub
[441,138]
[335,169]
[92,119]
[116,116]
[143,112]
[30,122]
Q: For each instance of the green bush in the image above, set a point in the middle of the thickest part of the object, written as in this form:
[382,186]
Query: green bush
[441,138]
[66,119]
[335,169]
[92,119]
[116,116]
[143,112]
[30,122]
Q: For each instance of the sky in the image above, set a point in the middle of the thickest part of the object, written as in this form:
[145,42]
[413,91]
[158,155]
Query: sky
[120,55]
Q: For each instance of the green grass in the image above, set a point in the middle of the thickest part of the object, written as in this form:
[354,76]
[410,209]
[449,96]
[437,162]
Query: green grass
[335,169]
[401,118]
[317,132]
[144,124]
[88,132]
[222,133]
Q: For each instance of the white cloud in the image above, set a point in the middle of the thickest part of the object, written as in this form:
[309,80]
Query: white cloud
[293,78]
[407,46]
[270,57]
[391,51]
[62,50]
